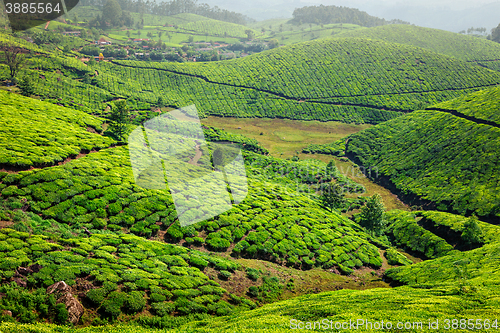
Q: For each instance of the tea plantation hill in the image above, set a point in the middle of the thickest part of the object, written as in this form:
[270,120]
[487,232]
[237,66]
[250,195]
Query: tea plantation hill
[466,48]
[450,289]
[346,79]
[44,133]
[87,223]
[177,29]
[447,156]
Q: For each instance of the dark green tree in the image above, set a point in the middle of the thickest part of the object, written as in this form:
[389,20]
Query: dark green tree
[332,196]
[495,34]
[112,12]
[250,34]
[26,86]
[273,43]
[120,118]
[61,314]
[372,215]
[471,232]
[14,57]
[160,103]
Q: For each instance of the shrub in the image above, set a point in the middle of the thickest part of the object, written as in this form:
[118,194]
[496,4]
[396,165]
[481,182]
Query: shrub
[218,244]
[135,302]
[253,292]
[198,262]
[96,296]
[112,306]
[253,274]
[155,297]
[224,275]
[163,309]
[396,258]
[61,314]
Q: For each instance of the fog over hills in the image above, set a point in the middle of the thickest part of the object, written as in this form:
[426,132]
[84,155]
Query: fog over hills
[442,14]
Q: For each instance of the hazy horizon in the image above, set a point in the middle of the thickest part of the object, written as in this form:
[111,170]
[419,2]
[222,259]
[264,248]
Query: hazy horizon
[442,14]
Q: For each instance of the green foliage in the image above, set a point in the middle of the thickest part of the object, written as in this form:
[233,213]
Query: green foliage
[37,133]
[120,117]
[334,14]
[481,105]
[472,233]
[26,86]
[332,197]
[336,148]
[270,290]
[135,302]
[396,258]
[218,244]
[253,274]
[467,48]
[61,314]
[372,215]
[224,275]
[456,224]
[364,98]
[407,233]
[406,150]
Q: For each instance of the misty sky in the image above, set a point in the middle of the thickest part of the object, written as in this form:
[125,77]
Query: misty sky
[452,15]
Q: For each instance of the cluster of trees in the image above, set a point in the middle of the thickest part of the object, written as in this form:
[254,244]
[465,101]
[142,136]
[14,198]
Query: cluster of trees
[113,16]
[333,14]
[173,7]
[473,30]
[495,34]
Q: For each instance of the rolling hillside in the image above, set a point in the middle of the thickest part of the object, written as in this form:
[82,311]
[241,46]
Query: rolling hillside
[439,156]
[87,246]
[467,48]
[381,76]
[87,223]
[349,80]
[35,133]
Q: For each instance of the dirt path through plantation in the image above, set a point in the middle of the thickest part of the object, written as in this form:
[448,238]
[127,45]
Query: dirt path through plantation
[197,156]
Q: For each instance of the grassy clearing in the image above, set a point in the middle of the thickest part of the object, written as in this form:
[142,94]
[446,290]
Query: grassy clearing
[284,137]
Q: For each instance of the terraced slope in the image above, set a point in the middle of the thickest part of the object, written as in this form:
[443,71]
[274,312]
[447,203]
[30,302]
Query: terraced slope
[345,79]
[345,73]
[467,48]
[113,275]
[455,286]
[35,133]
[480,105]
[440,157]
[201,25]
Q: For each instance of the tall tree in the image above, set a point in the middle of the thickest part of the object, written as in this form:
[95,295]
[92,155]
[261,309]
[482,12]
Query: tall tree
[14,57]
[372,215]
[112,12]
[471,232]
[495,34]
[250,34]
[332,196]
[120,118]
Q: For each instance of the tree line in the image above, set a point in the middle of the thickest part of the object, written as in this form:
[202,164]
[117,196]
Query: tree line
[333,14]
[174,7]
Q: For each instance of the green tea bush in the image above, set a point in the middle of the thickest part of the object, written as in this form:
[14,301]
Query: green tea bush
[253,274]
[396,258]
[163,309]
[135,302]
[224,275]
